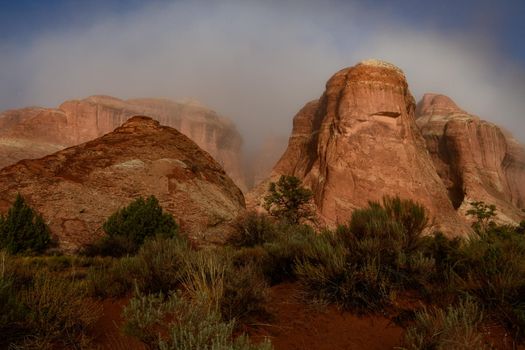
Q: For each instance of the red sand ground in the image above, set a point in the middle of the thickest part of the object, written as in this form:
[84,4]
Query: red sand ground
[299,326]
[295,326]
[107,330]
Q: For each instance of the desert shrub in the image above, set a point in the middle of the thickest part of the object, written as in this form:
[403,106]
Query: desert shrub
[284,252]
[23,230]
[365,263]
[130,226]
[252,229]
[494,272]
[157,267]
[256,257]
[161,264]
[115,246]
[12,314]
[112,280]
[192,324]
[244,294]
[58,312]
[288,200]
[455,328]
[203,277]
[236,292]
[323,271]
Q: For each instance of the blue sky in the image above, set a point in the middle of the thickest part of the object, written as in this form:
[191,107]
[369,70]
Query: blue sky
[258,62]
[503,22]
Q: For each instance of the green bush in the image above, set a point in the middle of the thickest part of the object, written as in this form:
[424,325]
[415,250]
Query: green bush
[252,229]
[23,230]
[244,294]
[129,227]
[113,280]
[494,272]
[157,267]
[365,263]
[285,251]
[59,310]
[457,328]
[161,263]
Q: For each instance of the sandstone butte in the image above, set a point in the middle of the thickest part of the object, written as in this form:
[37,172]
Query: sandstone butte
[360,142]
[35,132]
[477,160]
[76,189]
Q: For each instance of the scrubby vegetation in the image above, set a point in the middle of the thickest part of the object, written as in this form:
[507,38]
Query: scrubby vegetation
[23,230]
[456,327]
[191,298]
[288,200]
[42,306]
[129,227]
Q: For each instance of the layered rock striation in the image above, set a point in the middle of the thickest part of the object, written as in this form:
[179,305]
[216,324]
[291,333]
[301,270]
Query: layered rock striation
[477,160]
[35,132]
[360,142]
[76,189]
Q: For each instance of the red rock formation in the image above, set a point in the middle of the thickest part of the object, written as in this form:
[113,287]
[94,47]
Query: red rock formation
[476,159]
[35,132]
[76,189]
[360,142]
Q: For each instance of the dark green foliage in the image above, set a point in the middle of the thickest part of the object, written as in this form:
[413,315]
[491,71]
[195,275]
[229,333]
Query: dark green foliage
[288,200]
[23,230]
[129,227]
[252,229]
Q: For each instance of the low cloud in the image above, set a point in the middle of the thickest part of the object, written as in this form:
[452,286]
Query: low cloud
[255,63]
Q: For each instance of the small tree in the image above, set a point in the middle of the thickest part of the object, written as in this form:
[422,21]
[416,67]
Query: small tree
[483,213]
[289,200]
[23,229]
[130,226]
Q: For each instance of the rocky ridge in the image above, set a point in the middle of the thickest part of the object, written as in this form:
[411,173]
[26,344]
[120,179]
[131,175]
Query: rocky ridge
[477,160]
[76,189]
[35,132]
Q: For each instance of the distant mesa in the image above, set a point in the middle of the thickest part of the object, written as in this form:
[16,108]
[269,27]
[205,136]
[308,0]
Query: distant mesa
[35,132]
[363,139]
[76,189]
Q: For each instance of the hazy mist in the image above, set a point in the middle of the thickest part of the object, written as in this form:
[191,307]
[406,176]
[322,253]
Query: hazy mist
[256,63]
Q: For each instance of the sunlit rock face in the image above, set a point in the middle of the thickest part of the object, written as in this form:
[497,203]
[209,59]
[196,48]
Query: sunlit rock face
[78,188]
[477,160]
[35,132]
[360,142]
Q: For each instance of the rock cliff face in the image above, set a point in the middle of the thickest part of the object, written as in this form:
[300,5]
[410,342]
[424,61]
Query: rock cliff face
[476,159]
[359,142]
[76,189]
[36,132]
